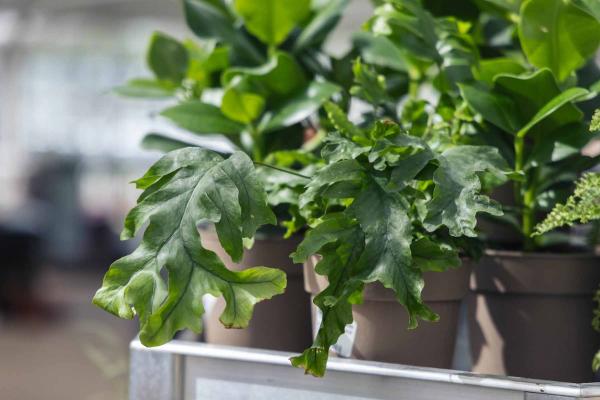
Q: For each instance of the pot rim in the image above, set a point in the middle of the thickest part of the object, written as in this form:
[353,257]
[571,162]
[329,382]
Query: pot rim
[539,254]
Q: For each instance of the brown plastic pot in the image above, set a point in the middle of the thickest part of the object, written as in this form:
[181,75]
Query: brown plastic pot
[281,323]
[380,323]
[530,315]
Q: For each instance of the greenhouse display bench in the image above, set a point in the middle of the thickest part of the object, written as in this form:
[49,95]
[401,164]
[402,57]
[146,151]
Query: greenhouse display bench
[196,371]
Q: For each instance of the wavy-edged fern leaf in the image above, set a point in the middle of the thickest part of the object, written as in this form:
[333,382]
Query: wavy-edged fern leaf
[185,188]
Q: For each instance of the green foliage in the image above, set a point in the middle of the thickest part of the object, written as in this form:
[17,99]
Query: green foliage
[272,20]
[386,208]
[185,188]
[583,206]
[254,90]
[389,198]
[167,58]
[517,93]
[558,34]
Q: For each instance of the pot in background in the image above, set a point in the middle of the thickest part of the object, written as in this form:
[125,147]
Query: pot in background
[380,330]
[281,323]
[530,315]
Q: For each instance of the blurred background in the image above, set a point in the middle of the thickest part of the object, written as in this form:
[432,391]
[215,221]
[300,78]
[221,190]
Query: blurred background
[68,148]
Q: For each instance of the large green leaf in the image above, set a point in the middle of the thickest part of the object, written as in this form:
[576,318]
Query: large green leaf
[379,50]
[520,103]
[185,188]
[272,20]
[321,25]
[558,34]
[167,58]
[209,19]
[241,106]
[531,93]
[430,255]
[202,118]
[387,256]
[568,96]
[300,106]
[495,107]
[456,197]
[408,25]
[280,76]
[336,300]
[490,68]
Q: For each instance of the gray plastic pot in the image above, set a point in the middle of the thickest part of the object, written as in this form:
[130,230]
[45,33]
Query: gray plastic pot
[281,323]
[380,333]
[530,315]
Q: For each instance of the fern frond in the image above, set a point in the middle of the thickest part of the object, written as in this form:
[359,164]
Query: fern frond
[595,125]
[583,206]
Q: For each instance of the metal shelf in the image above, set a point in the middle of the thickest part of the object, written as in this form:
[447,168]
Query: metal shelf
[187,370]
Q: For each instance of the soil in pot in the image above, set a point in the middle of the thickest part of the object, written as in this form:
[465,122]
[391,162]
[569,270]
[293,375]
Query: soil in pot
[281,323]
[380,329]
[530,315]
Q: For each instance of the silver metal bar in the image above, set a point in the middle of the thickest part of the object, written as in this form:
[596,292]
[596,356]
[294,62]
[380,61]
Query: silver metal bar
[210,372]
[155,375]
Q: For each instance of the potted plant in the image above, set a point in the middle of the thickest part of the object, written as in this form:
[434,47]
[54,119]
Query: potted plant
[531,297]
[500,74]
[582,206]
[388,213]
[257,77]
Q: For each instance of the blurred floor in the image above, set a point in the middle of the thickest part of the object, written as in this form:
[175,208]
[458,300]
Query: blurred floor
[69,349]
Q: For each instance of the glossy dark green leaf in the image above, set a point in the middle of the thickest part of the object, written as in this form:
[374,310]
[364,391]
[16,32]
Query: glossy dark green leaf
[146,88]
[430,255]
[495,107]
[558,34]
[202,118]
[167,58]
[209,19]
[387,257]
[300,106]
[456,197]
[559,144]
[272,20]
[281,75]
[185,188]
[408,25]
[532,92]
[380,51]
[336,300]
[568,96]
[320,25]
[490,68]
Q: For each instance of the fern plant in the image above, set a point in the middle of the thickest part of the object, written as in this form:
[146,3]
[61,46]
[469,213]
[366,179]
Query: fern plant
[582,207]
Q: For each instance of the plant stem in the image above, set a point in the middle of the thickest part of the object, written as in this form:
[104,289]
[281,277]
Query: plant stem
[413,89]
[524,196]
[257,143]
[528,218]
[287,171]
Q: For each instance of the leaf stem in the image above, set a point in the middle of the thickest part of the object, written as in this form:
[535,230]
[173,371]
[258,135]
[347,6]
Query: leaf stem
[257,143]
[287,171]
[524,196]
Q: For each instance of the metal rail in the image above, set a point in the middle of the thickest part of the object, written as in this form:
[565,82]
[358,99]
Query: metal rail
[196,371]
